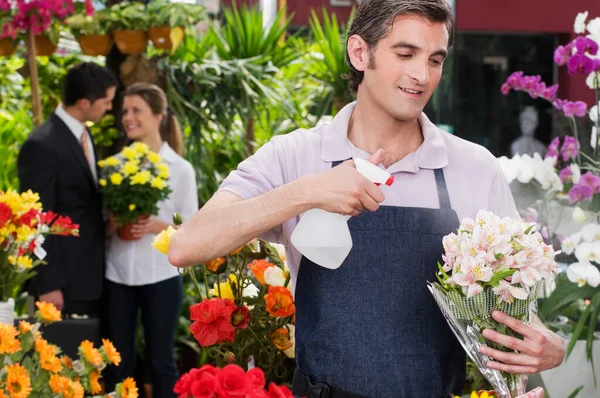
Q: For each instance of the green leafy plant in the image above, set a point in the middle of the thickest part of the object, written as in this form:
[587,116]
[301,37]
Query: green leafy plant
[129,16]
[175,14]
[97,24]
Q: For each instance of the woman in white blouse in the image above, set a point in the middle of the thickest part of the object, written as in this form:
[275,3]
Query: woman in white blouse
[138,277]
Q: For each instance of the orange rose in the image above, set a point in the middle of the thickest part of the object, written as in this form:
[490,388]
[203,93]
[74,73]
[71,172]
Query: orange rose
[281,339]
[258,268]
[279,301]
[216,265]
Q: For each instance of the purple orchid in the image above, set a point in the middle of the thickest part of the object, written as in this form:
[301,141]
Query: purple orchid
[580,63]
[569,148]
[505,89]
[570,108]
[565,174]
[586,45]
[591,180]
[561,55]
[580,192]
[552,151]
[550,92]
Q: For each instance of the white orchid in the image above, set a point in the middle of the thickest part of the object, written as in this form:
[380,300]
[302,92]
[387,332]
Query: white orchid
[593,80]
[590,232]
[570,244]
[582,273]
[579,25]
[593,28]
[579,214]
[588,252]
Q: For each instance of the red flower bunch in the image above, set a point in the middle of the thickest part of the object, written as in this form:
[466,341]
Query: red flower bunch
[38,15]
[229,382]
[212,321]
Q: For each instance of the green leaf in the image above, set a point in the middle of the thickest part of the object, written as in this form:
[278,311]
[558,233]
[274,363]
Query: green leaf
[500,275]
[575,392]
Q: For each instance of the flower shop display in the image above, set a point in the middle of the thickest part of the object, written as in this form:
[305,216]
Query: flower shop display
[578,169]
[133,182]
[23,228]
[490,264]
[91,28]
[230,381]
[247,318]
[129,21]
[35,368]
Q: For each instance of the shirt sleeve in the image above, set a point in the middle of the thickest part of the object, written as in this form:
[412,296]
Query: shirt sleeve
[502,202]
[186,199]
[260,173]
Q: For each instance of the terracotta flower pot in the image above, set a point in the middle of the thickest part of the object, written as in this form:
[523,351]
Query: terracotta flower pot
[166,38]
[124,232]
[44,46]
[95,45]
[131,41]
[6,47]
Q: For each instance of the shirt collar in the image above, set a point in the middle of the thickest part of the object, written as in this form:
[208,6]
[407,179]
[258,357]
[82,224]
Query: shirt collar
[73,124]
[167,153]
[432,154]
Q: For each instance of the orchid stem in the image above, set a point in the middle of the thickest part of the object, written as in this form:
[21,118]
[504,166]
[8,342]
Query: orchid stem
[576,134]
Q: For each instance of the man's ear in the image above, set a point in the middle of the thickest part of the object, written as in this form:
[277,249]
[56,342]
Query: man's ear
[83,104]
[358,52]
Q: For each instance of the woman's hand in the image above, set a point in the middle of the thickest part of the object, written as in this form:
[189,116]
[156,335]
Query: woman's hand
[147,225]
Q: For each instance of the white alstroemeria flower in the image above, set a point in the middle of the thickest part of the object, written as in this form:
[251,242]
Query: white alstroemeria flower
[579,214]
[593,80]
[582,273]
[507,292]
[579,25]
[274,276]
[527,276]
[590,232]
[588,252]
[291,352]
[593,28]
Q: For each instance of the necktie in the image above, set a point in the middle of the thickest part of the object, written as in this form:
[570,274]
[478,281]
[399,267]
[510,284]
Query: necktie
[84,141]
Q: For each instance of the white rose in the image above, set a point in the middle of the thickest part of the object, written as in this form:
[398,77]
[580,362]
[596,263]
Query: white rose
[579,25]
[274,276]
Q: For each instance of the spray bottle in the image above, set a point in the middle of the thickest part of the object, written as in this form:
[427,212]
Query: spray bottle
[323,237]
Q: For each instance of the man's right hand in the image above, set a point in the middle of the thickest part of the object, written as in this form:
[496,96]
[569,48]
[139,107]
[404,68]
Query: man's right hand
[345,191]
[55,297]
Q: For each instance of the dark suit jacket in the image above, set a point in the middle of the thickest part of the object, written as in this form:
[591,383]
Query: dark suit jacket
[52,163]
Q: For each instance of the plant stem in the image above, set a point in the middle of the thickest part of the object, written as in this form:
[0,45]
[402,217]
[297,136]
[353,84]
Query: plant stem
[576,134]
[194,280]
[206,280]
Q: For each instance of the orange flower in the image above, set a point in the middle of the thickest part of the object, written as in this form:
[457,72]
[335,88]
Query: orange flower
[279,301]
[73,390]
[56,383]
[128,388]
[48,312]
[8,342]
[91,354]
[25,327]
[2,394]
[236,251]
[18,383]
[216,265]
[281,339]
[258,268]
[41,345]
[95,386]
[67,361]
[111,352]
[50,362]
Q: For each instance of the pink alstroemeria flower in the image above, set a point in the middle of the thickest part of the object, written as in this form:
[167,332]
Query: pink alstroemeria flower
[507,292]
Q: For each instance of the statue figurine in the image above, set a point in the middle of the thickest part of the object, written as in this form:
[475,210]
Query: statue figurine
[527,143]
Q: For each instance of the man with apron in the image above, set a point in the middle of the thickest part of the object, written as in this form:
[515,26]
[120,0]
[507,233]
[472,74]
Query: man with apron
[371,328]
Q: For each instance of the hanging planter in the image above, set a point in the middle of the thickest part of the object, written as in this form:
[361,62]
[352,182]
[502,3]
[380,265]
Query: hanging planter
[131,41]
[6,47]
[95,45]
[165,37]
[44,46]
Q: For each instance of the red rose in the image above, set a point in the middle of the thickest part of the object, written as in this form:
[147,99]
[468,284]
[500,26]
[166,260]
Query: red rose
[276,391]
[256,377]
[182,387]
[240,318]
[257,393]
[231,382]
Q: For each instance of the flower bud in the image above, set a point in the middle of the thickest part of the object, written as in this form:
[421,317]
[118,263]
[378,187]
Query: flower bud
[177,220]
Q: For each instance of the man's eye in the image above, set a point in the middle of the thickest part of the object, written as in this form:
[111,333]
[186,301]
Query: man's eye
[404,56]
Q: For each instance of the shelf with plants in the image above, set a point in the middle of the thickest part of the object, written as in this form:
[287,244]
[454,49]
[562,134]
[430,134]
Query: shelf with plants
[92,29]
[129,25]
[168,21]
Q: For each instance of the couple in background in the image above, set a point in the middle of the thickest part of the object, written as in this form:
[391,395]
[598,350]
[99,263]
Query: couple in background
[98,274]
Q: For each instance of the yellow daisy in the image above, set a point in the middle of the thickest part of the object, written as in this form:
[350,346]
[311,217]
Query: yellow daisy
[18,383]
[140,148]
[141,178]
[130,168]
[159,183]
[129,389]
[112,161]
[163,170]
[95,386]
[102,182]
[67,361]
[50,362]
[129,153]
[25,327]
[116,178]
[154,157]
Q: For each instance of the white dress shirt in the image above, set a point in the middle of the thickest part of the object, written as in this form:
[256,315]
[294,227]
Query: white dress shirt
[135,263]
[77,128]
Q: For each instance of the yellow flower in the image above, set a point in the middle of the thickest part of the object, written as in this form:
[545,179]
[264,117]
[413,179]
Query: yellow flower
[18,383]
[91,354]
[12,260]
[56,383]
[8,342]
[111,352]
[140,148]
[112,161]
[141,178]
[30,201]
[159,183]
[116,178]
[25,233]
[102,182]
[128,388]
[132,207]
[101,163]
[154,157]
[48,312]
[129,153]
[25,327]
[130,168]
[95,386]
[24,262]
[163,240]
[225,287]
[163,170]
[483,394]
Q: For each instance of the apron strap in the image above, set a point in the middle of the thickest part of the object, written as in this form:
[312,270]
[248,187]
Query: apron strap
[442,190]
[440,182]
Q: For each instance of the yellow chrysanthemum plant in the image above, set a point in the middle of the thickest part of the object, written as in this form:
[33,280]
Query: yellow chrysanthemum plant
[133,182]
[35,368]
[23,229]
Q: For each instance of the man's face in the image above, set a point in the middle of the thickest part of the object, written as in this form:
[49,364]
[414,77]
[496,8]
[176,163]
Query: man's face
[94,111]
[406,66]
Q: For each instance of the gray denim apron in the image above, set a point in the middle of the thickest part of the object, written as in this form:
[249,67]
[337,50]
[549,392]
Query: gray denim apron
[371,327]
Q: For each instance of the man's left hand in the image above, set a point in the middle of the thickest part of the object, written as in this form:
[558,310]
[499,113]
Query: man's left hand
[539,350]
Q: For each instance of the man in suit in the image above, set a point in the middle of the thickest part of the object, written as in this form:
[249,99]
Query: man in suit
[58,161]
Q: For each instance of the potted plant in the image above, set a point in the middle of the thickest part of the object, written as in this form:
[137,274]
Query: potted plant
[133,182]
[8,33]
[91,28]
[129,22]
[168,21]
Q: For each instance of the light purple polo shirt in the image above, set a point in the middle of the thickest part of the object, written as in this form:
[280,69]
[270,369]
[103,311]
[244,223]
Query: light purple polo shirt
[473,175]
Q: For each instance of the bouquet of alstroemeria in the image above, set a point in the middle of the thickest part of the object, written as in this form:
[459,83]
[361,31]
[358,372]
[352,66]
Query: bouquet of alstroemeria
[133,182]
[490,264]
[23,228]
